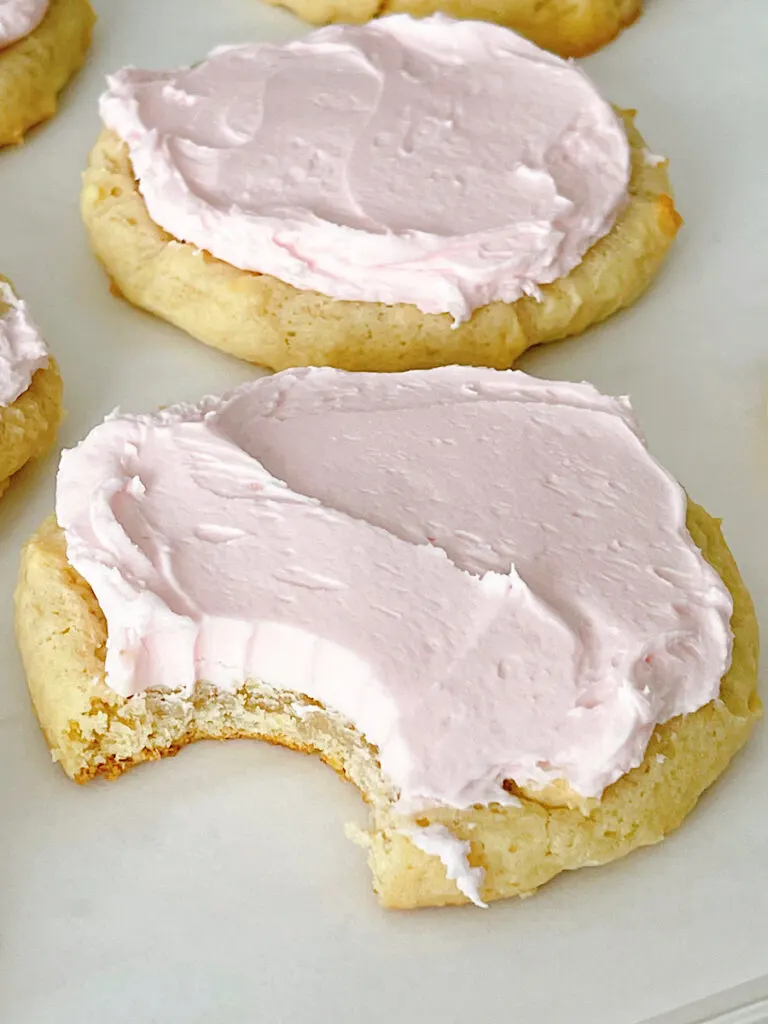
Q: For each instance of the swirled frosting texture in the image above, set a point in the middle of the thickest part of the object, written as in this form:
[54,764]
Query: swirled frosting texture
[18,18]
[22,349]
[486,573]
[441,163]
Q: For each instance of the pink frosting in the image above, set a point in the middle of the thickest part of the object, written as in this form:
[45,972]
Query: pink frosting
[22,349]
[18,18]
[441,163]
[486,573]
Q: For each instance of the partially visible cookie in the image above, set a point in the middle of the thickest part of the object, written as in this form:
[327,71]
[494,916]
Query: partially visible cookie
[568,28]
[35,68]
[30,388]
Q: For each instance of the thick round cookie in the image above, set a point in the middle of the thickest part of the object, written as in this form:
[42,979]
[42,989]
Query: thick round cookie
[266,321]
[34,70]
[572,30]
[93,731]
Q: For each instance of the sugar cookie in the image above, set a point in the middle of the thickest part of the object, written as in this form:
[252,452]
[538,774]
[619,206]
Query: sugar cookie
[36,67]
[472,593]
[30,388]
[570,29]
[443,226]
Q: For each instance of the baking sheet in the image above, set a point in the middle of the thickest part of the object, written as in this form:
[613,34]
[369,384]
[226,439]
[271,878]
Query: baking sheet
[218,886]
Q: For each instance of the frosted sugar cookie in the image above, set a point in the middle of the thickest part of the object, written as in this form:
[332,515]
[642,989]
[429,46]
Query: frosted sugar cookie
[570,29]
[42,44]
[30,388]
[473,593]
[398,195]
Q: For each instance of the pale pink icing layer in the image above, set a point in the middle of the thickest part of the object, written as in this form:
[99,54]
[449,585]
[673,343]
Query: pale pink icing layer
[18,18]
[486,573]
[22,349]
[441,163]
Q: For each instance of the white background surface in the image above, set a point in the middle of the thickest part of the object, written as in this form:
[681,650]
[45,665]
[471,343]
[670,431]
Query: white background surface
[218,886]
